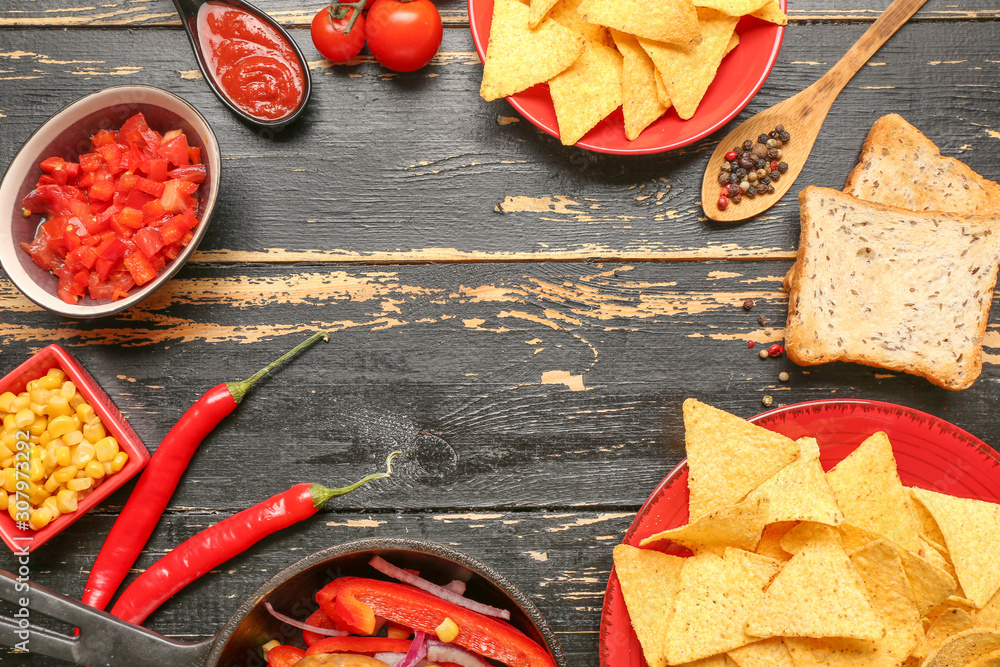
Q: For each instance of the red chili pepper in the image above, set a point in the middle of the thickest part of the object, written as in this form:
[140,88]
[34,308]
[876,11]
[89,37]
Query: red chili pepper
[412,607]
[226,539]
[370,645]
[284,656]
[145,506]
[775,350]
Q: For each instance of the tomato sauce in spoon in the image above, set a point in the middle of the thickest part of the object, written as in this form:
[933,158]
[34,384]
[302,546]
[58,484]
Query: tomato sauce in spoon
[250,61]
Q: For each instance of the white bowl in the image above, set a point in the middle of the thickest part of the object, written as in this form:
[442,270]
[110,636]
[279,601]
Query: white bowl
[67,134]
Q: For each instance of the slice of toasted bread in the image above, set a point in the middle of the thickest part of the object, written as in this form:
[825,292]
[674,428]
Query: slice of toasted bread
[884,286]
[901,167]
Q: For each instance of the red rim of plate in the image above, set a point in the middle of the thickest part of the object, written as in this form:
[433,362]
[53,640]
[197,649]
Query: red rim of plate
[617,643]
[520,100]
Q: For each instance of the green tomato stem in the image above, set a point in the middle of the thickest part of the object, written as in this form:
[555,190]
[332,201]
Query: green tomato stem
[338,11]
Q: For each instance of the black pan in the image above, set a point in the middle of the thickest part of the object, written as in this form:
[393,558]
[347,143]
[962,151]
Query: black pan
[106,641]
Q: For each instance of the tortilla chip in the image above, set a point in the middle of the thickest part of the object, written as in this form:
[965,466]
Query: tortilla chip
[971,530]
[587,92]
[964,648]
[728,457]
[989,616]
[649,582]
[870,494]
[734,41]
[798,602]
[771,12]
[799,491]
[770,541]
[671,21]
[567,12]
[518,57]
[947,624]
[809,533]
[688,72]
[738,526]
[885,582]
[661,89]
[538,10]
[732,7]
[768,653]
[640,104]
[926,524]
[712,604]
[991,659]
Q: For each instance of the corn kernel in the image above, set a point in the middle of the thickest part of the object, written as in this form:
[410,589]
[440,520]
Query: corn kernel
[93,431]
[31,385]
[64,455]
[39,395]
[7,401]
[94,469]
[68,389]
[38,497]
[447,631]
[77,401]
[13,512]
[121,458]
[274,643]
[4,501]
[108,469]
[24,418]
[82,454]
[21,402]
[85,412]
[65,474]
[51,504]
[58,406]
[10,423]
[79,484]
[5,451]
[36,470]
[40,518]
[51,485]
[106,448]
[45,438]
[73,438]
[49,382]
[66,501]
[10,480]
[37,427]
[61,425]
[57,373]
[7,463]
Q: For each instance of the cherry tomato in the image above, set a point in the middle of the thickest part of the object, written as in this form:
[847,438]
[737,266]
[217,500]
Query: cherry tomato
[330,35]
[403,35]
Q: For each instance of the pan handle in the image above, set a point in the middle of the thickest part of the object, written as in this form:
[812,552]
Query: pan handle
[103,640]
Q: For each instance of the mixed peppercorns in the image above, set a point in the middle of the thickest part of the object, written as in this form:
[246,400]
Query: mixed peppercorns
[753,168]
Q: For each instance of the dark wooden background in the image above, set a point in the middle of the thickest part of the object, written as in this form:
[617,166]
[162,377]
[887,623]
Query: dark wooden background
[464,263]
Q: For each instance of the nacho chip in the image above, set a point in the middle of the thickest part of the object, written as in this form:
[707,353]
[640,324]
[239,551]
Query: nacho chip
[799,491]
[728,457]
[926,524]
[798,602]
[661,89]
[537,11]
[806,533]
[964,648]
[732,7]
[768,653]
[649,582]
[670,21]
[991,659]
[971,530]
[738,526]
[885,583]
[870,494]
[715,596]
[947,624]
[771,12]
[640,103]
[518,57]
[770,541]
[688,72]
[587,92]
[734,41]
[989,616]
[567,12]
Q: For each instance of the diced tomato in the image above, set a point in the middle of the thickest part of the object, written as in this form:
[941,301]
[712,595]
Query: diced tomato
[91,162]
[194,154]
[130,217]
[157,170]
[102,191]
[103,138]
[123,283]
[171,198]
[150,187]
[52,164]
[124,232]
[171,251]
[186,187]
[195,173]
[153,211]
[139,267]
[112,154]
[126,182]
[148,240]
[99,289]
[131,130]
[47,199]
[83,257]
[174,230]
[137,198]
[86,180]
[175,150]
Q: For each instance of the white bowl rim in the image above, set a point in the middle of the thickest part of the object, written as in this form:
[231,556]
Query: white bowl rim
[31,151]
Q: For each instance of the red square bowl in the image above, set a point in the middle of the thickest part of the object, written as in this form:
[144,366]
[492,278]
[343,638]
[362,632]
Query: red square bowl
[35,367]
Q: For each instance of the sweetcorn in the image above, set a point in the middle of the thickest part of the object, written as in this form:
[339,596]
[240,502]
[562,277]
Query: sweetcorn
[64,448]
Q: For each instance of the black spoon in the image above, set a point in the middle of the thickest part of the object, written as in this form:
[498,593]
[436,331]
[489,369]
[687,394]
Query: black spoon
[189,10]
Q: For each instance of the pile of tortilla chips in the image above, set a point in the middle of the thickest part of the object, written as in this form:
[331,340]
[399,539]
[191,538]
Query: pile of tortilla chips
[645,56]
[797,567]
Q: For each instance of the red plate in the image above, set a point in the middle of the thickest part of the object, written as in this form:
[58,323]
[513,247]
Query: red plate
[740,76]
[930,453]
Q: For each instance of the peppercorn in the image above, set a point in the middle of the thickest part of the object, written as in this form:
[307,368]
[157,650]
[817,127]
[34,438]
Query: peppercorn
[760,164]
[722,203]
[746,162]
[774,153]
[747,145]
[731,155]
[779,128]
[760,150]
[737,197]
[733,178]
[761,173]
[765,180]
[778,143]
[770,188]
[772,143]
[752,177]
[748,304]
[726,166]
[762,139]
[782,167]
[761,320]
[741,172]
[750,344]
[773,134]
[762,354]
[751,193]
[744,186]
[723,177]
[783,376]
[725,191]
[735,164]
[761,189]
[767,401]
[737,150]
[775,350]
[784,136]
[774,175]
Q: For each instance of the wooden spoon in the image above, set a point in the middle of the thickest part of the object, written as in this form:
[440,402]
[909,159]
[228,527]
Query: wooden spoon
[802,116]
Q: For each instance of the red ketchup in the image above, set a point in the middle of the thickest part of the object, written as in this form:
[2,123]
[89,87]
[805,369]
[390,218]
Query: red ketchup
[251,61]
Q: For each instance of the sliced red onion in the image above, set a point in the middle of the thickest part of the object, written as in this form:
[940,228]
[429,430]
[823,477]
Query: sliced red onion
[457,587]
[391,570]
[326,632]
[441,652]
[417,652]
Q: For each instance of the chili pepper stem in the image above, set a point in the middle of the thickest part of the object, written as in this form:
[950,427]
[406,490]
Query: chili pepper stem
[239,389]
[322,495]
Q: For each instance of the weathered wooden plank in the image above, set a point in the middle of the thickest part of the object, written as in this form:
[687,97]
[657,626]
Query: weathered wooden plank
[374,174]
[560,559]
[158,13]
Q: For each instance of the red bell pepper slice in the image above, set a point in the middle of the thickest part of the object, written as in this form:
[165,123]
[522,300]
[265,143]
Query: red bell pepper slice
[409,606]
[368,645]
[318,619]
[284,656]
